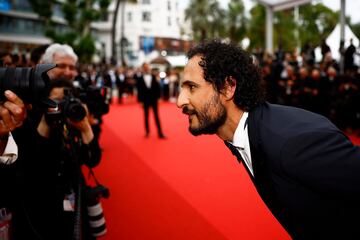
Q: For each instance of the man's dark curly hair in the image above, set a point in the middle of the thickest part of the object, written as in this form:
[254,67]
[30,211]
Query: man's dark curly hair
[222,62]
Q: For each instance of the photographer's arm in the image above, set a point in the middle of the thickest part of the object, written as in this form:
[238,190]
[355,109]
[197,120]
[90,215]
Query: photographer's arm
[90,153]
[43,128]
[85,129]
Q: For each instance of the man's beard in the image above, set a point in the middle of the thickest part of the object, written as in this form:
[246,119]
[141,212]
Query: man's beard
[210,117]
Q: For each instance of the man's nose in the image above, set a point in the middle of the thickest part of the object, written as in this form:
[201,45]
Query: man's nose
[69,72]
[182,100]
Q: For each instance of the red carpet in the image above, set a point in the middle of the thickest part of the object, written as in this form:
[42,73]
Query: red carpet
[183,187]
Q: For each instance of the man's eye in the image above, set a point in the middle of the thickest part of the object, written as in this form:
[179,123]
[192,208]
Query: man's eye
[63,66]
[191,87]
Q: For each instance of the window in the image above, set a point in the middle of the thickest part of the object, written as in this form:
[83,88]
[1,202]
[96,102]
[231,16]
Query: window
[7,24]
[104,17]
[57,9]
[146,2]
[129,17]
[21,5]
[21,26]
[169,5]
[169,21]
[146,17]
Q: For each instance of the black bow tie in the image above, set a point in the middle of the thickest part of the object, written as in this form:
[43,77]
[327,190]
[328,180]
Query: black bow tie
[234,151]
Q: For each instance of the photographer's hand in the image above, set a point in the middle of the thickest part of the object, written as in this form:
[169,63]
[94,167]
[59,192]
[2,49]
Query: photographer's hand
[84,127]
[43,128]
[12,113]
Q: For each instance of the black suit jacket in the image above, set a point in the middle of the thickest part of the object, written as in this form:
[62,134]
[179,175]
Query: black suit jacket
[306,171]
[147,95]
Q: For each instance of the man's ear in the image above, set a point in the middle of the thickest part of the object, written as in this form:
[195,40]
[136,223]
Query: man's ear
[229,88]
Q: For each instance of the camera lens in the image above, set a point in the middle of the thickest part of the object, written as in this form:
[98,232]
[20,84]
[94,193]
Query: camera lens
[30,84]
[96,219]
[74,110]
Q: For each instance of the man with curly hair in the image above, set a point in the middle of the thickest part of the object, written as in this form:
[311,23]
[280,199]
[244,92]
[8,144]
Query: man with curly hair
[304,168]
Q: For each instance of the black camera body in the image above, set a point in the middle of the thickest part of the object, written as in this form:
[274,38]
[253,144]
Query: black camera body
[95,99]
[30,84]
[95,193]
[69,107]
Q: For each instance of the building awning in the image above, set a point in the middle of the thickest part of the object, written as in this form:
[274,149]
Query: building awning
[278,5]
[160,60]
[25,39]
[177,61]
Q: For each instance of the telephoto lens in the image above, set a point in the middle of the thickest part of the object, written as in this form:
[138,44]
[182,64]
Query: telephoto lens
[96,218]
[30,84]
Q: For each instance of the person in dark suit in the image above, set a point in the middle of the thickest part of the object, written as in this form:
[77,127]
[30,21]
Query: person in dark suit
[304,168]
[148,94]
[349,56]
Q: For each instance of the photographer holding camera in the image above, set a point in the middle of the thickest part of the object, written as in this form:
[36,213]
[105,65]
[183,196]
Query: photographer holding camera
[52,148]
[12,115]
[46,185]
[97,98]
[19,87]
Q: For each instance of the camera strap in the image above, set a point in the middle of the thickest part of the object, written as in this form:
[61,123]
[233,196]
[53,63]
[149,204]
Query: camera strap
[92,174]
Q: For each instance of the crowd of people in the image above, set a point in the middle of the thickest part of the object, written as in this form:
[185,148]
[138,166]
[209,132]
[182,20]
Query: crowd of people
[315,86]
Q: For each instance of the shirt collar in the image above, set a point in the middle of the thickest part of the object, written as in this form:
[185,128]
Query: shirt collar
[239,135]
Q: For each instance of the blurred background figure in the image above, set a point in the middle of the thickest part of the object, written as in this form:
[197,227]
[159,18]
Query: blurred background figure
[148,90]
[37,54]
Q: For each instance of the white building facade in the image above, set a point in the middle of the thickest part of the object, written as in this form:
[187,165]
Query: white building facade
[150,27]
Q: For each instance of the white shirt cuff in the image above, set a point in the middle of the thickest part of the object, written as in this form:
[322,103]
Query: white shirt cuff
[10,153]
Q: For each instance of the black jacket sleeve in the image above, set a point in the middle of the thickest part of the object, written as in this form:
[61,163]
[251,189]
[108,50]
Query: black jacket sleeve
[326,161]
[90,154]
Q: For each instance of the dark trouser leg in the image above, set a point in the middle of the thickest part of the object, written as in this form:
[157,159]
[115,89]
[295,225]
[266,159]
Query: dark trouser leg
[157,119]
[120,93]
[146,115]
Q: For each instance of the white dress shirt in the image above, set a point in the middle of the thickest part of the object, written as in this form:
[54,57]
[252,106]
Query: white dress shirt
[241,142]
[147,79]
[11,151]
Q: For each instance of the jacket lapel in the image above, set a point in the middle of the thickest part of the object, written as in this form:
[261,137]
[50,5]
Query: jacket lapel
[257,157]
[238,156]
[262,174]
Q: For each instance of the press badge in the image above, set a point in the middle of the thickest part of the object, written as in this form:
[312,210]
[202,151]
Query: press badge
[69,202]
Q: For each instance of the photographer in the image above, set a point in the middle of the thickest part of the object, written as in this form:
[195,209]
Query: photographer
[52,148]
[12,115]
[66,60]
